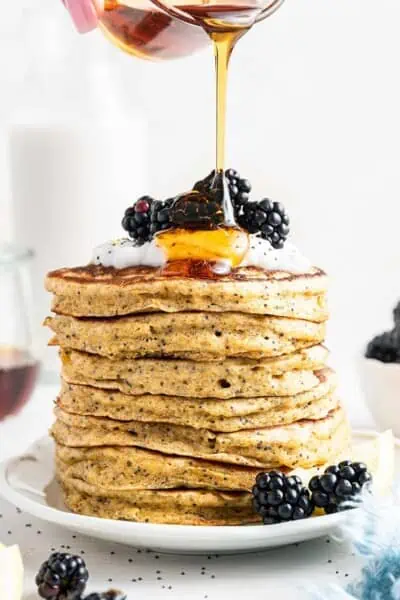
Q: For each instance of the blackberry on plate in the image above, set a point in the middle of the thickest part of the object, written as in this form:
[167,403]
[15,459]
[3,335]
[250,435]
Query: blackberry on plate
[339,484]
[62,577]
[279,498]
[385,347]
[110,595]
[136,220]
[269,218]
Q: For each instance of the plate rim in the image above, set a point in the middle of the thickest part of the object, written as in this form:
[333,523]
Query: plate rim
[234,533]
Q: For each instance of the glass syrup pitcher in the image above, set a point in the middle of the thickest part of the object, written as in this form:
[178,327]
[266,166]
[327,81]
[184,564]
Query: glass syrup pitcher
[158,29]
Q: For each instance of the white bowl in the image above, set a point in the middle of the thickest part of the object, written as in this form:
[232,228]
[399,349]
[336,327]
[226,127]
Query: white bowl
[381,387]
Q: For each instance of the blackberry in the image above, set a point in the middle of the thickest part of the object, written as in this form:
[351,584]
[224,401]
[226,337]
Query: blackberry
[239,188]
[338,484]
[197,210]
[206,184]
[385,347]
[278,498]
[136,220]
[160,216]
[62,577]
[267,217]
[110,595]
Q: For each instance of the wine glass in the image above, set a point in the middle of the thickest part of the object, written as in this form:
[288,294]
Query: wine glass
[18,365]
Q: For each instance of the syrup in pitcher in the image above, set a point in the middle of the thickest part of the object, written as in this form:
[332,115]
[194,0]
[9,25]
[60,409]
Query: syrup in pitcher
[140,28]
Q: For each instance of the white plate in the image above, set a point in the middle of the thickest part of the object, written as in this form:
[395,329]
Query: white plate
[28,482]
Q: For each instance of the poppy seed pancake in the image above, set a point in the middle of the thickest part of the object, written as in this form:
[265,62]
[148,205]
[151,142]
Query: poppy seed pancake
[300,444]
[216,414]
[96,291]
[194,335]
[234,377]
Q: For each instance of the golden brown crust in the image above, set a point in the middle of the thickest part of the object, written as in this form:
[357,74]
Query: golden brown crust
[180,507]
[113,469]
[194,335]
[94,291]
[280,376]
[216,414]
[303,444]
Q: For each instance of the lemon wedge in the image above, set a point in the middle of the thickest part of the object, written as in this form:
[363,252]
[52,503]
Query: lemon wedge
[11,573]
[377,453]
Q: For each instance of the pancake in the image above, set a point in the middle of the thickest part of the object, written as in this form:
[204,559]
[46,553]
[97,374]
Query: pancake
[111,469]
[96,291]
[180,507]
[281,376]
[196,336]
[302,444]
[203,413]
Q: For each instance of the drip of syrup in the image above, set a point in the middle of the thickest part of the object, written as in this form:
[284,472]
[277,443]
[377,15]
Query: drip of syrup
[225,24]
[192,269]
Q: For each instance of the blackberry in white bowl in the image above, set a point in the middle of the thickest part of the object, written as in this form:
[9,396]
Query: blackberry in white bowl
[380,374]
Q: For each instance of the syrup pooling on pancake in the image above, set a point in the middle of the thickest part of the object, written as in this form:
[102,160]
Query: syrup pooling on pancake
[124,253]
[226,245]
[211,223]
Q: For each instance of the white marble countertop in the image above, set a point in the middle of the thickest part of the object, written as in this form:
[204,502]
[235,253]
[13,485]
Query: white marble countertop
[277,574]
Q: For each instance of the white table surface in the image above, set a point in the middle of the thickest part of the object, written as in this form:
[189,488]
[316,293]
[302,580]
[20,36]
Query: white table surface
[278,574]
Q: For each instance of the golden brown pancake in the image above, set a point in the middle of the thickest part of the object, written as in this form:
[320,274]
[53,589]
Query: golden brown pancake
[195,336]
[203,413]
[303,444]
[178,388]
[96,291]
[132,468]
[180,507]
[234,377]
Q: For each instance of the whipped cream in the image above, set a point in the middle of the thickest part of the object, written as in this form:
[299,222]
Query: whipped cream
[123,253]
[262,254]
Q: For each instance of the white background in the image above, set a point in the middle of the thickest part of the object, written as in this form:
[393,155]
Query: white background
[313,121]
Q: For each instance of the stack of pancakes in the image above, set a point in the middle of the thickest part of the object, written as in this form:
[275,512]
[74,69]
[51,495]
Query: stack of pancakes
[176,391]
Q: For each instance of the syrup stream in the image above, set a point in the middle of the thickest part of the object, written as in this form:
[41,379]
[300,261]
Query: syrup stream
[224,42]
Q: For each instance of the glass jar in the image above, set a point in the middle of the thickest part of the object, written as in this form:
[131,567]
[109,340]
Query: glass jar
[18,364]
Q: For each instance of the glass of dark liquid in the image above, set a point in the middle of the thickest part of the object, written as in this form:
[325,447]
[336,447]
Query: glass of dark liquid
[18,365]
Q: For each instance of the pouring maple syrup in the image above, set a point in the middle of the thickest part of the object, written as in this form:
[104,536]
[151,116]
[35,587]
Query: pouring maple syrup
[159,29]
[223,242]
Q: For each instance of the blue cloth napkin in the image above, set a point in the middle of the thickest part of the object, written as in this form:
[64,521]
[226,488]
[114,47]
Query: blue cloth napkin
[374,531]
